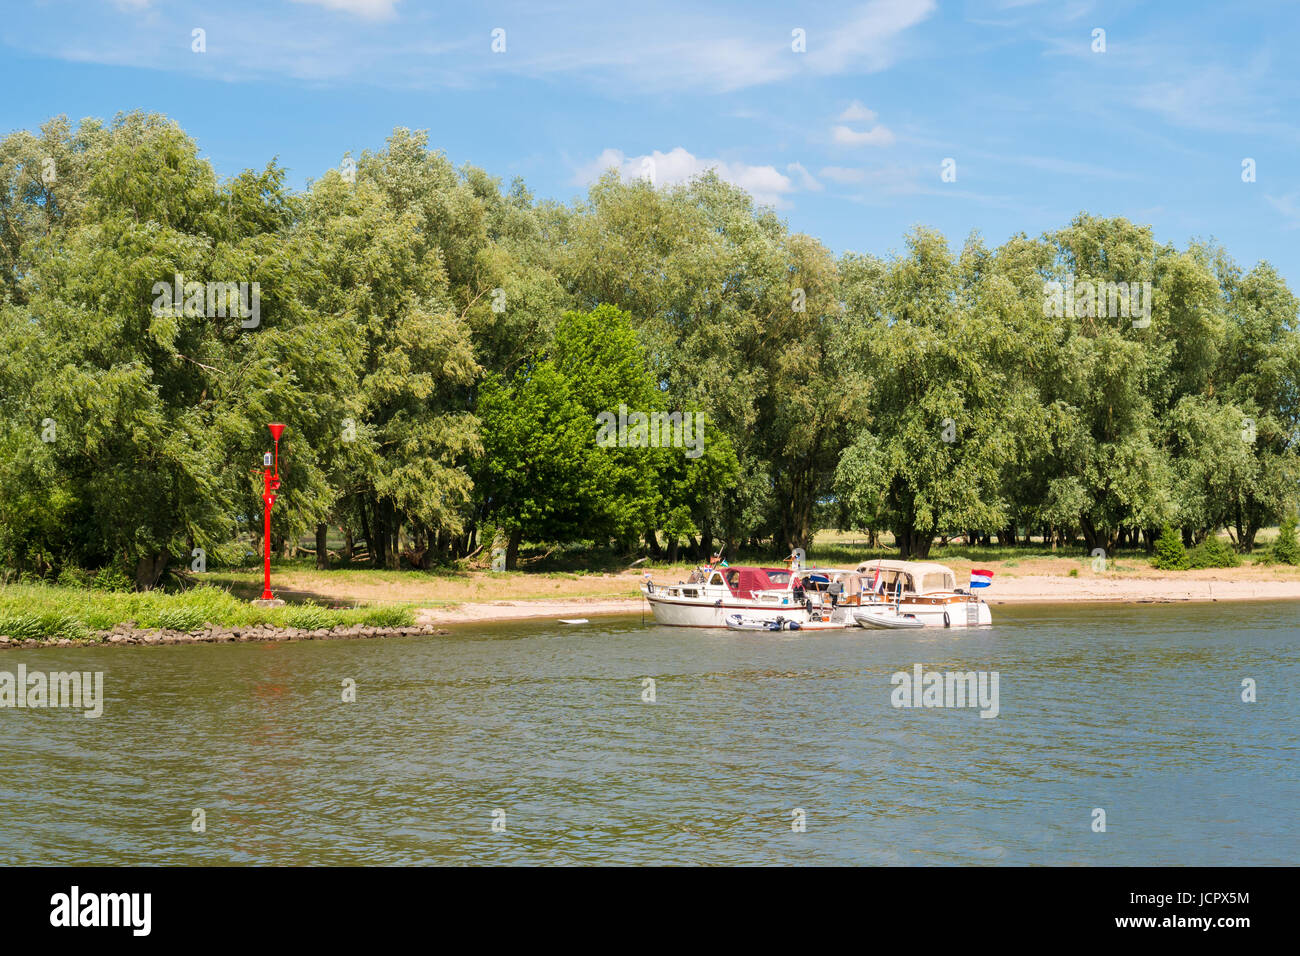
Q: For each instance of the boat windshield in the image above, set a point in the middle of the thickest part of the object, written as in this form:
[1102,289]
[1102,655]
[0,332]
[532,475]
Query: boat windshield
[937,581]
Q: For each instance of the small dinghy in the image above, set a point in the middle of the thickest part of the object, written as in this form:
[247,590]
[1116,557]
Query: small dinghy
[738,622]
[573,620]
[886,617]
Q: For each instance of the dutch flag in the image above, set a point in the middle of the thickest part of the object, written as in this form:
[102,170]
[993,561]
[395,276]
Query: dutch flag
[980,578]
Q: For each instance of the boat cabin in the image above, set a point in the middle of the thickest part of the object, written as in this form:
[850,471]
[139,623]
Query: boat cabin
[915,577]
[743,582]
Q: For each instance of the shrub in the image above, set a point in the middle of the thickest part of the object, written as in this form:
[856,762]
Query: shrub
[1170,554]
[73,577]
[177,618]
[21,627]
[1213,553]
[1285,548]
[31,627]
[309,617]
[388,617]
[111,578]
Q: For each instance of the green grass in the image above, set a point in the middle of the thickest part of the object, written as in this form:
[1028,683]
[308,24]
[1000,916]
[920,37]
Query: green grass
[36,611]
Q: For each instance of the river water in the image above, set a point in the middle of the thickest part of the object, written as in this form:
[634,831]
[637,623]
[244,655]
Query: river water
[1134,710]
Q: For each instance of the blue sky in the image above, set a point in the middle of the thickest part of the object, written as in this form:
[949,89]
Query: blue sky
[847,138]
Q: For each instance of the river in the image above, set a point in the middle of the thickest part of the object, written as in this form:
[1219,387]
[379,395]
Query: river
[757,748]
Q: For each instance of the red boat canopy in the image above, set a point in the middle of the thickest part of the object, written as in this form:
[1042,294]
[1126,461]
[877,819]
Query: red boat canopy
[745,581]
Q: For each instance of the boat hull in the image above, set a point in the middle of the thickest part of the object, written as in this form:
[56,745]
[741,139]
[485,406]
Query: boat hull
[886,619]
[940,613]
[684,613]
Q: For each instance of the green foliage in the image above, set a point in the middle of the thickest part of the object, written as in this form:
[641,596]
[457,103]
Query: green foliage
[387,617]
[1213,552]
[48,624]
[442,348]
[1286,549]
[42,611]
[1170,555]
[110,578]
[309,616]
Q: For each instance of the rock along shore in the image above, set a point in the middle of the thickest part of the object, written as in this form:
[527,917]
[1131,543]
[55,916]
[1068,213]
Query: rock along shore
[128,633]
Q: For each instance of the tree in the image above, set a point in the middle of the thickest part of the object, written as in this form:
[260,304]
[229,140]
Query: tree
[1170,555]
[384,248]
[548,475]
[946,416]
[1285,548]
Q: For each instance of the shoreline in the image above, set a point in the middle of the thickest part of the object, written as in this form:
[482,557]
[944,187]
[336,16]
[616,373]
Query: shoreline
[124,635]
[1035,590]
[433,621]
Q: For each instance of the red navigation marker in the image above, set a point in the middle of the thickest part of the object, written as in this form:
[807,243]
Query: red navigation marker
[270,485]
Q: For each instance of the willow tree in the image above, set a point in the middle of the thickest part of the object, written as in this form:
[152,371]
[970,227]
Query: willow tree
[384,265]
[740,320]
[151,338]
[947,411]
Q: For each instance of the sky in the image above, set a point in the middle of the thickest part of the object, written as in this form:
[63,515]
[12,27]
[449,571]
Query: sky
[856,121]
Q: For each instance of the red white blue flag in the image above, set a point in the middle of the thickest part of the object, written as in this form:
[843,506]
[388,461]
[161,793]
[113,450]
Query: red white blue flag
[980,578]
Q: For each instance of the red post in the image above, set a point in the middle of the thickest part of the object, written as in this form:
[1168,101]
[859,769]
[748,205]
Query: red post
[270,484]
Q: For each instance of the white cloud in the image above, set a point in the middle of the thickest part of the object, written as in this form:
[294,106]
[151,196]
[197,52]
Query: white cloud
[805,179]
[842,174]
[768,185]
[1289,206]
[869,42]
[366,9]
[857,113]
[876,136]
[643,51]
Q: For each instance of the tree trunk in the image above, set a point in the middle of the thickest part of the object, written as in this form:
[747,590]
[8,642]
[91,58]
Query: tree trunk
[322,547]
[374,547]
[913,543]
[1248,540]
[347,544]
[512,549]
[394,555]
[149,569]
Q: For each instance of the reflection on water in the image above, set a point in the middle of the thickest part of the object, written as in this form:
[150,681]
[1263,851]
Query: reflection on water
[1132,709]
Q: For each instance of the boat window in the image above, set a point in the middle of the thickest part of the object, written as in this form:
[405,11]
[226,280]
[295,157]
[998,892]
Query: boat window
[733,579]
[938,581]
[893,577]
[781,578]
[716,579]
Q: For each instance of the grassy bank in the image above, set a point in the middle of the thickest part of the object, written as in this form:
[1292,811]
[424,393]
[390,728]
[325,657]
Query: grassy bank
[43,611]
[298,579]
[358,594]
